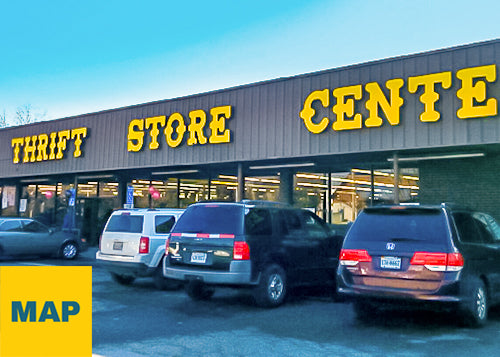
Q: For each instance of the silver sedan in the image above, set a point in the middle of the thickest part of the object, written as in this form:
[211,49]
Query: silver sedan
[26,236]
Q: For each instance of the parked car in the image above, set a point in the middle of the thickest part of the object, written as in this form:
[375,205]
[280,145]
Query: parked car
[432,256]
[265,246]
[132,244]
[28,237]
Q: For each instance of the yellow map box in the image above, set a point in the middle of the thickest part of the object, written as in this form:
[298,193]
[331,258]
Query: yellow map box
[45,311]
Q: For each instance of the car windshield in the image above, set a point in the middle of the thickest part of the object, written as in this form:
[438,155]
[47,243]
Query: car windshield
[211,219]
[125,223]
[399,225]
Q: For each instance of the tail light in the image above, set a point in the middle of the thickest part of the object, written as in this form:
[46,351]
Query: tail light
[144,245]
[241,251]
[352,257]
[438,261]
[167,245]
[100,240]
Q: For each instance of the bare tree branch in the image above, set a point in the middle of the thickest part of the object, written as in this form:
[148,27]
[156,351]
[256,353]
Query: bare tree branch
[3,120]
[25,114]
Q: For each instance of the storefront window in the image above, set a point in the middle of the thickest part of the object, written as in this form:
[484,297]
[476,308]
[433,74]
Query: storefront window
[352,191]
[262,188]
[155,193]
[310,192]
[9,201]
[87,189]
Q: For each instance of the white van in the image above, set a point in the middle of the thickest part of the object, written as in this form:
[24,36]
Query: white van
[132,244]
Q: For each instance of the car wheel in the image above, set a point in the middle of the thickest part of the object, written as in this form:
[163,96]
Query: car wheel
[272,288]
[69,250]
[163,283]
[199,291]
[123,279]
[476,308]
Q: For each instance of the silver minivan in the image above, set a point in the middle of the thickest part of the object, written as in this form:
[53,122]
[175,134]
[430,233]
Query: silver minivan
[132,244]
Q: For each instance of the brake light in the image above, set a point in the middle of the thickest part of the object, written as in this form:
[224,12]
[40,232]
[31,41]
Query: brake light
[354,256]
[438,261]
[241,251]
[100,240]
[144,245]
[167,245]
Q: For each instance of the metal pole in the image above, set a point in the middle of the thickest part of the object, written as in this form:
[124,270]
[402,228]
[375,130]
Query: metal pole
[240,190]
[372,183]
[396,178]
[329,199]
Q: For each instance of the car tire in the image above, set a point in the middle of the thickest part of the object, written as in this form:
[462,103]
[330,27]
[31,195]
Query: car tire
[69,251]
[272,288]
[123,279]
[162,283]
[476,306]
[199,291]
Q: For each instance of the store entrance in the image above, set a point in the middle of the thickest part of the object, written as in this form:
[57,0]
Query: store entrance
[92,214]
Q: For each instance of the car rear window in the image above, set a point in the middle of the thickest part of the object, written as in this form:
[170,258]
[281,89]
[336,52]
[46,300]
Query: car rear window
[381,225]
[125,224]
[211,219]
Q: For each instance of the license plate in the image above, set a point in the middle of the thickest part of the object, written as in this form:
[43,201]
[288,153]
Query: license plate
[390,263]
[197,257]
[117,245]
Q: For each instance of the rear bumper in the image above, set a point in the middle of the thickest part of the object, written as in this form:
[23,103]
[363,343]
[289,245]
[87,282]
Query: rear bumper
[240,273]
[446,291]
[359,293]
[126,265]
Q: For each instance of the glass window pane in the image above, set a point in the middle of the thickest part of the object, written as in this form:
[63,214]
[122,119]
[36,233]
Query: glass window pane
[11,226]
[163,224]
[125,223]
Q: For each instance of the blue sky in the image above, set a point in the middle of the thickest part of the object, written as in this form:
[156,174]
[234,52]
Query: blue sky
[66,58]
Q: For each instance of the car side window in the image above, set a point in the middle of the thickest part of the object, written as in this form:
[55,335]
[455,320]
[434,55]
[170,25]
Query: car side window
[490,225]
[291,224]
[34,227]
[11,226]
[313,226]
[467,228]
[163,224]
[258,222]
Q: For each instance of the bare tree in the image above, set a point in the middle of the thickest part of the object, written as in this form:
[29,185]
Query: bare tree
[3,120]
[25,114]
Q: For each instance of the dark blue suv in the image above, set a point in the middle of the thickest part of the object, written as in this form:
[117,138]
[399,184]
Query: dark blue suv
[264,246]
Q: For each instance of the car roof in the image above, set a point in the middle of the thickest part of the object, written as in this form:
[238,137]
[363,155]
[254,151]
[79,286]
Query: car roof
[245,203]
[419,207]
[16,218]
[149,210]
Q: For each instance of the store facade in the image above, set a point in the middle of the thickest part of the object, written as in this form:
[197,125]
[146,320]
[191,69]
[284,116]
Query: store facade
[421,128]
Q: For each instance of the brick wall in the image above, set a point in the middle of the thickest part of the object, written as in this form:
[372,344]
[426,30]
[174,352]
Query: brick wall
[473,183]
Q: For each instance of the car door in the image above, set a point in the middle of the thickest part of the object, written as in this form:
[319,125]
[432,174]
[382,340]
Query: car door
[12,237]
[303,244]
[325,247]
[490,231]
[41,240]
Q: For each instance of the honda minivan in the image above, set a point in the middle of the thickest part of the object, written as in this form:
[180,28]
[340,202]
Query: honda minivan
[436,256]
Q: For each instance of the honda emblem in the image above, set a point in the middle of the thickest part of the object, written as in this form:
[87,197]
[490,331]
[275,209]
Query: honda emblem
[390,246]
